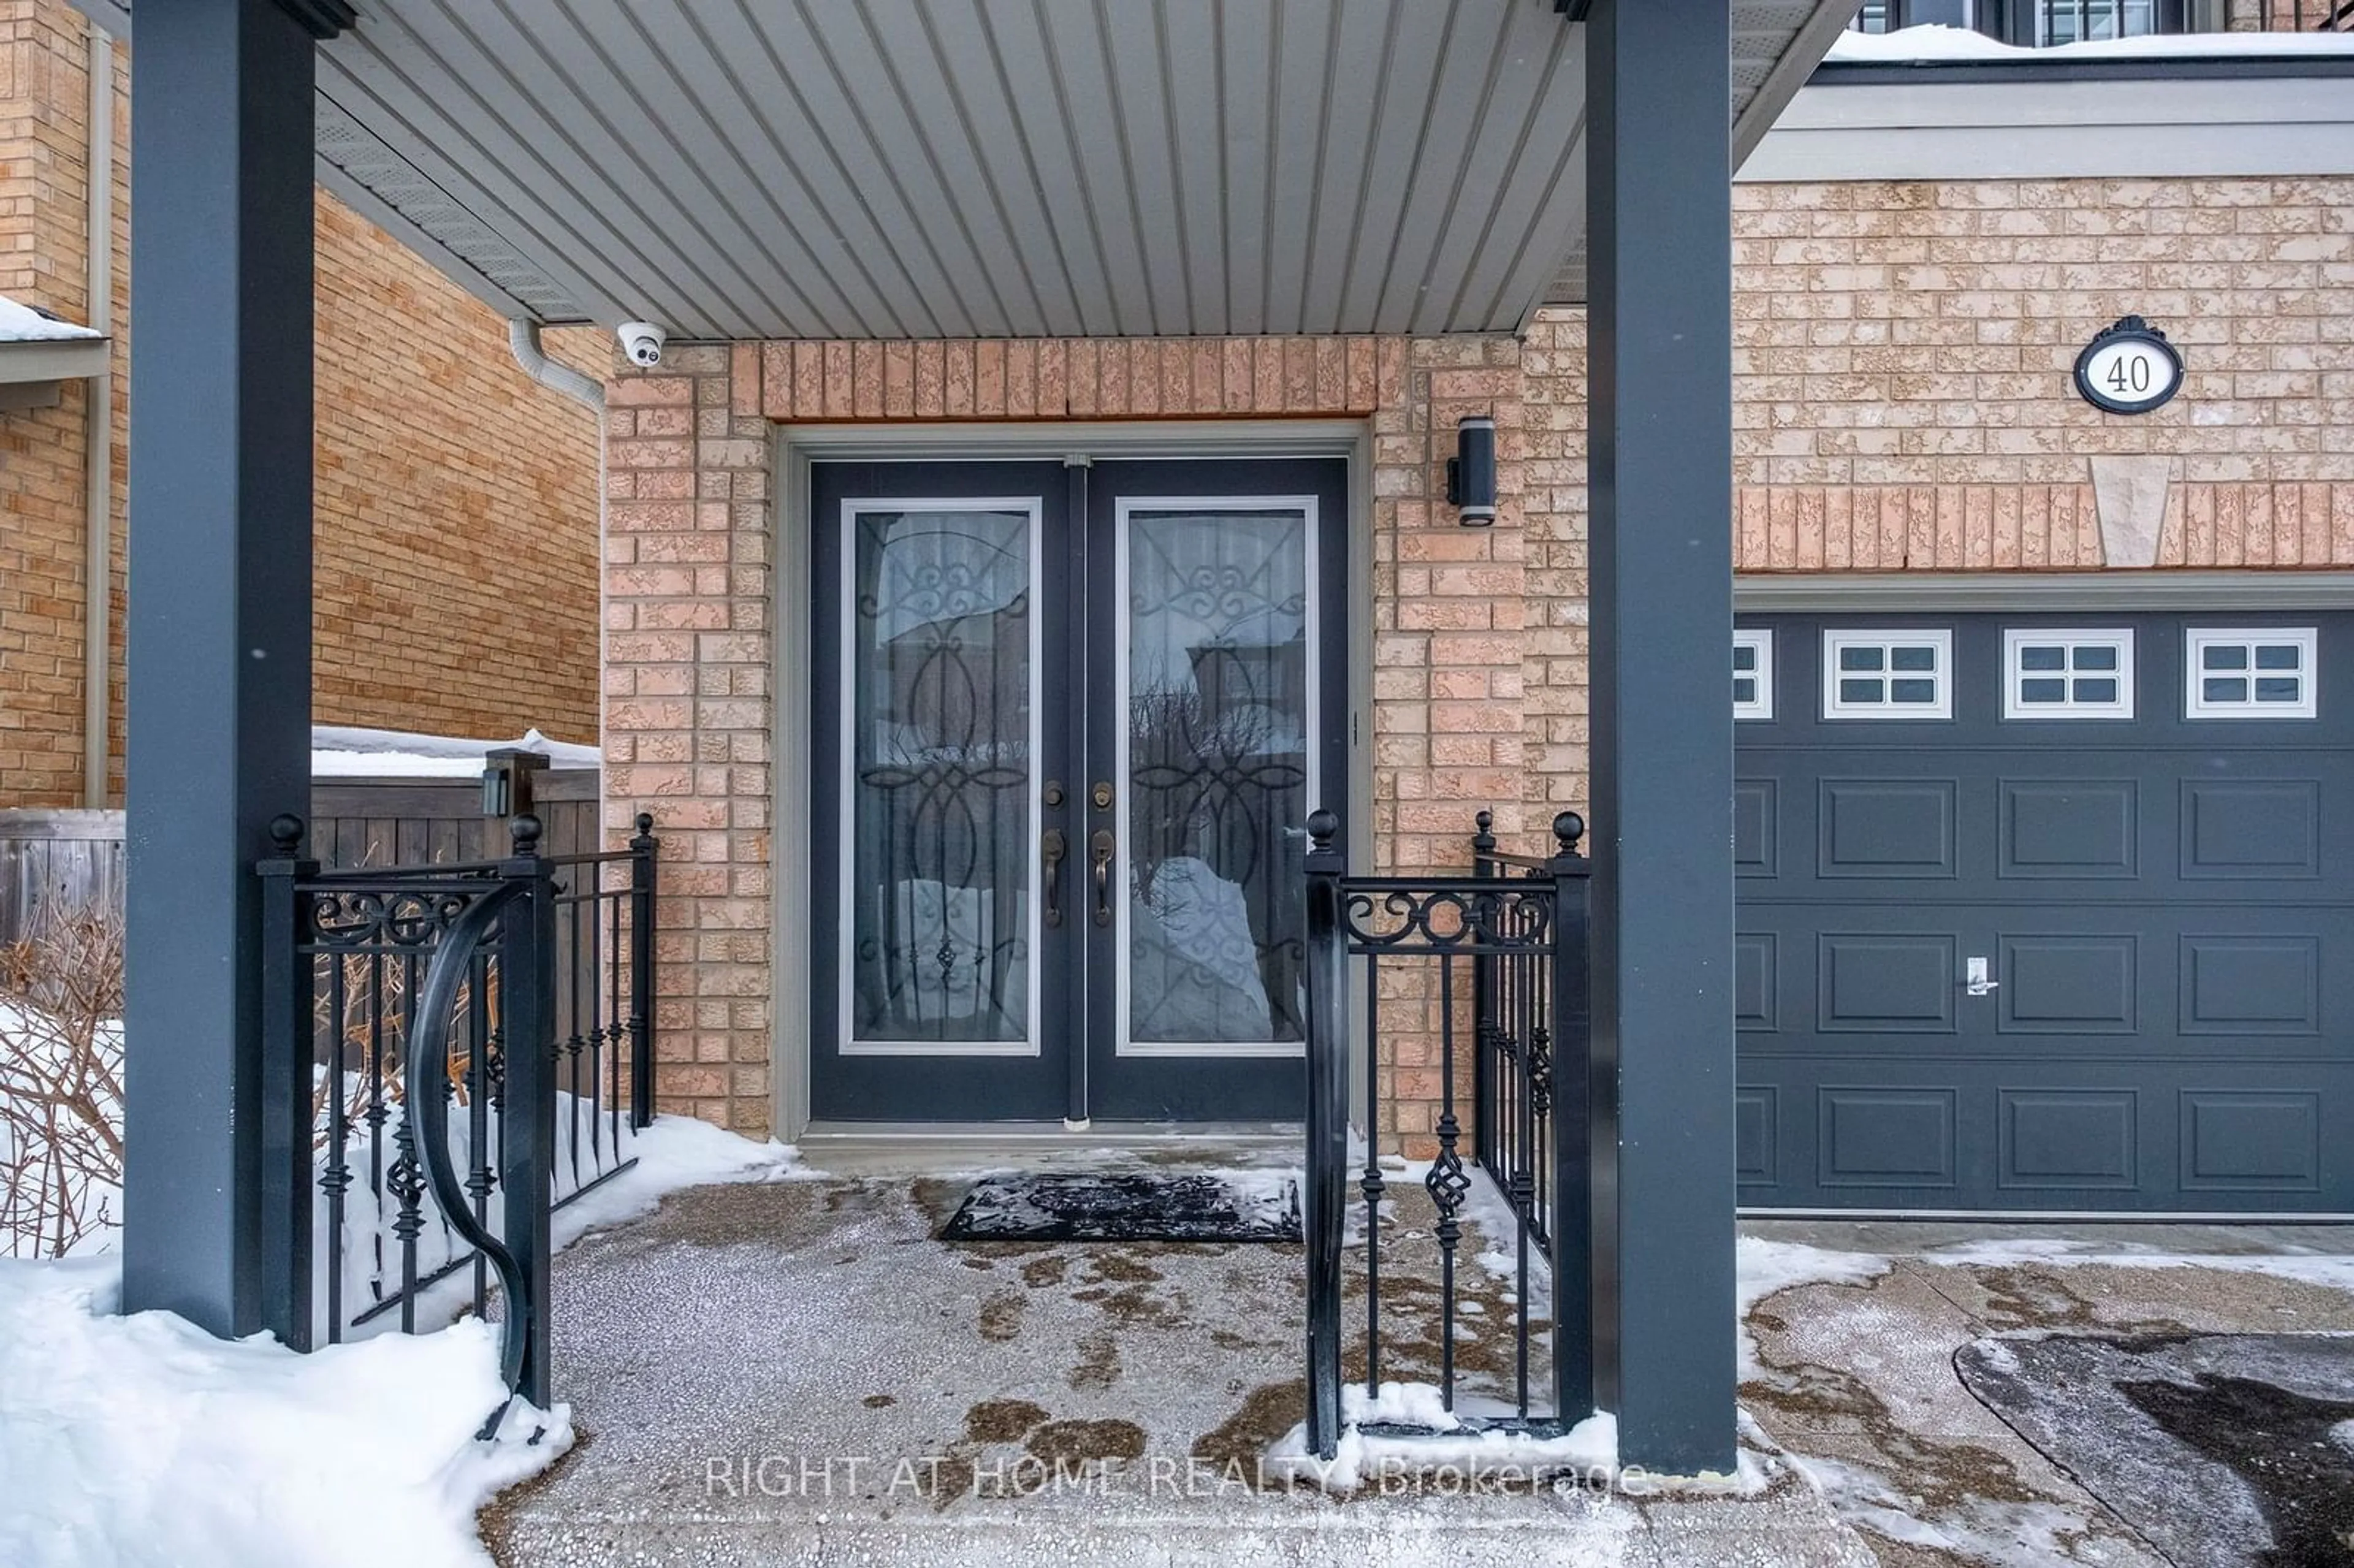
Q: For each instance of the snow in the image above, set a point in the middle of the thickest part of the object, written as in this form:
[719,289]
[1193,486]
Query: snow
[22,324]
[1937,42]
[342,751]
[2334,1269]
[1587,1451]
[1762,1269]
[143,1442]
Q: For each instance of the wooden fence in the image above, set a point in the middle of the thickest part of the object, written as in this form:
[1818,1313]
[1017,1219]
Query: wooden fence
[71,859]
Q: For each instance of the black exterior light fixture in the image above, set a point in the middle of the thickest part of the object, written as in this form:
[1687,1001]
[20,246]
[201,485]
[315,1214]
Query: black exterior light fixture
[1471,473]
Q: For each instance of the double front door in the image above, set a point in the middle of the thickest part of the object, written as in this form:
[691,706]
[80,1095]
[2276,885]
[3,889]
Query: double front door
[1070,720]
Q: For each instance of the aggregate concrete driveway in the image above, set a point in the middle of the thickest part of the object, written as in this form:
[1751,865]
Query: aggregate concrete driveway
[1856,1382]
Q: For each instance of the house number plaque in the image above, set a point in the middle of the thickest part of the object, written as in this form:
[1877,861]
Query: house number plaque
[2129,369]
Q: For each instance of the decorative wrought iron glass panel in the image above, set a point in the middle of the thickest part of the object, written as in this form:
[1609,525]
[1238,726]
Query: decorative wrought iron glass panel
[941,718]
[2067,675]
[2253,672]
[1753,673]
[1216,662]
[1887,674]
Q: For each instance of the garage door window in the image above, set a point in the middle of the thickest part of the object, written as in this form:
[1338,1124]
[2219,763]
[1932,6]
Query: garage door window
[1753,673]
[2238,673]
[1887,674]
[2067,675]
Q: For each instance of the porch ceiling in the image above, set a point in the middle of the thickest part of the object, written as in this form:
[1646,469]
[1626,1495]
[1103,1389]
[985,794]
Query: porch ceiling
[822,168]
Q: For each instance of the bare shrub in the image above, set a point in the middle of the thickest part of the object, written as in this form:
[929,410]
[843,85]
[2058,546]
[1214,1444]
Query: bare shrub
[61,1083]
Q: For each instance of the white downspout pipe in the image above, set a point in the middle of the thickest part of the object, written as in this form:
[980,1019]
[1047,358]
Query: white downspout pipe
[522,341]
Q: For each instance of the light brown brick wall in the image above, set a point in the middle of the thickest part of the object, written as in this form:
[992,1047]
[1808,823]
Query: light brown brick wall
[1901,402]
[688,702]
[1902,357]
[451,489]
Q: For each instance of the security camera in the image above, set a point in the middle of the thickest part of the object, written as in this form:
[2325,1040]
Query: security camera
[643,341]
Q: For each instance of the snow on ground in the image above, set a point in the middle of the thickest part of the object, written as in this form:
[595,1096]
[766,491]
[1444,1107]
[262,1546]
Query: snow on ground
[1589,1451]
[341,751]
[137,1441]
[1761,1267]
[1937,41]
[2334,1269]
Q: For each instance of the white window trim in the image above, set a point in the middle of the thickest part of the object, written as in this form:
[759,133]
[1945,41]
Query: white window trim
[1940,638]
[1760,639]
[2015,637]
[2196,639]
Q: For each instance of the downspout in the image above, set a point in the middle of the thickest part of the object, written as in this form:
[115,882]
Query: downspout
[522,341]
[97,440]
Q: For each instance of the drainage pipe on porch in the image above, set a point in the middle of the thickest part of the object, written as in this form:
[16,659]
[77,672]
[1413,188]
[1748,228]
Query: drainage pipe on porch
[98,439]
[523,342]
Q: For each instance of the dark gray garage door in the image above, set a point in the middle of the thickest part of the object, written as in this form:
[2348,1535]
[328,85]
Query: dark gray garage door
[2046,912]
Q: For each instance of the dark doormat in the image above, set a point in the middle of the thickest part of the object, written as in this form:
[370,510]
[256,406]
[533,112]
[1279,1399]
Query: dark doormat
[1138,1206]
[2223,1450]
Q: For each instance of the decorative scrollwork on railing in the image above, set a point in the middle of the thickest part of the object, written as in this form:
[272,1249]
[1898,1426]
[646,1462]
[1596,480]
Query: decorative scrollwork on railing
[363,917]
[1441,918]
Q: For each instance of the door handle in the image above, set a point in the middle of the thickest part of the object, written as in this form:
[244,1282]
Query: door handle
[1051,847]
[1099,849]
[1975,980]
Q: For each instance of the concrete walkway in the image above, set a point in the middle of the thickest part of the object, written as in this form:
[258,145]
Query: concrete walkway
[799,1373]
[1857,1380]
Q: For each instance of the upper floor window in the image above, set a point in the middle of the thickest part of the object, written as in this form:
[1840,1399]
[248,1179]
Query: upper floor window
[1888,674]
[2263,671]
[2040,23]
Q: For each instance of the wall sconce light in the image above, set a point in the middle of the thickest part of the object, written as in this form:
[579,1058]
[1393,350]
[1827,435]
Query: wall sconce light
[1471,473]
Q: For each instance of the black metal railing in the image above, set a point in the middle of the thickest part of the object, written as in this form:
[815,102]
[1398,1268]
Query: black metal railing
[456,1052]
[1469,963]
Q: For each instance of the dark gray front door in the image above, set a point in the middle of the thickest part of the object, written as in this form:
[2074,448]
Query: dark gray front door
[2046,912]
[1070,721]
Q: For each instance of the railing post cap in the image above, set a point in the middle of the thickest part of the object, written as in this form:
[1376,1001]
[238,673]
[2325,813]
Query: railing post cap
[645,824]
[1322,827]
[1567,829]
[286,835]
[525,831]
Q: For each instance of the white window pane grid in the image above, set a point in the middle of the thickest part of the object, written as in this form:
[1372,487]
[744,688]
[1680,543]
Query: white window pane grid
[2053,674]
[2249,672]
[1753,673]
[1888,674]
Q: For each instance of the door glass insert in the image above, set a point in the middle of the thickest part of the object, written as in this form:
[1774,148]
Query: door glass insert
[1217,673]
[940,725]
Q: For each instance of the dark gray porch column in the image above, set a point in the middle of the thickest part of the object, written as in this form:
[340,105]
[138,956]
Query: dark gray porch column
[219,621]
[1658,203]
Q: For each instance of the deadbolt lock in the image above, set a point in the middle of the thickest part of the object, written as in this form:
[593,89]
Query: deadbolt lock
[1102,794]
[1054,794]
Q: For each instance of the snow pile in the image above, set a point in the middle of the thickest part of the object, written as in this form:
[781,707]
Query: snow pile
[339,751]
[1587,1452]
[23,323]
[1933,42]
[143,1440]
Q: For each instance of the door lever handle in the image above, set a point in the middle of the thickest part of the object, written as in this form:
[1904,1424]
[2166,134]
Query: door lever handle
[1100,848]
[1975,981]
[1051,847]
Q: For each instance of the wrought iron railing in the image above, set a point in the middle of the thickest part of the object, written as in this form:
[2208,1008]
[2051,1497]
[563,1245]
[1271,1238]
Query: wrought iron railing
[456,1052]
[1486,976]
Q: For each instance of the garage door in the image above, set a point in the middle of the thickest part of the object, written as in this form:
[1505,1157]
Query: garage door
[2046,912]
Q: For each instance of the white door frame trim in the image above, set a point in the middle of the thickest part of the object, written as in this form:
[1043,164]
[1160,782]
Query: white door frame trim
[794,446]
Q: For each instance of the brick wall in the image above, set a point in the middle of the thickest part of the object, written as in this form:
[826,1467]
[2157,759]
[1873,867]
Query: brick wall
[688,702]
[450,488]
[1901,356]
[1902,403]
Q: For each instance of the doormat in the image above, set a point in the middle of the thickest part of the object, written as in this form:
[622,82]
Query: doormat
[1136,1207]
[2226,1450]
